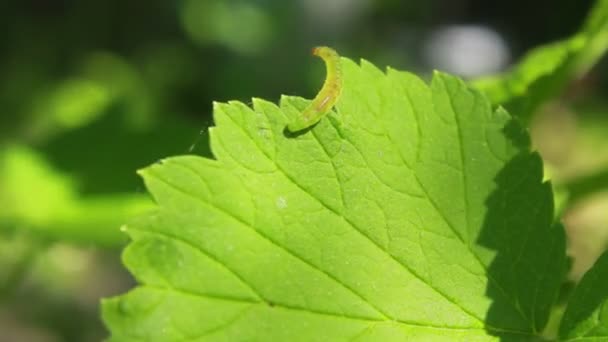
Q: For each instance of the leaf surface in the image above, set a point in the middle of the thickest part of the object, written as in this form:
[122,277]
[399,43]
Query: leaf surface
[412,211]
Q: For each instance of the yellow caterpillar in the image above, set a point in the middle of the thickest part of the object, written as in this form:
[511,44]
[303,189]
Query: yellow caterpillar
[327,96]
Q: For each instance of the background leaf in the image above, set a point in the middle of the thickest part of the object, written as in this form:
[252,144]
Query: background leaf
[586,315]
[547,69]
[36,196]
[410,212]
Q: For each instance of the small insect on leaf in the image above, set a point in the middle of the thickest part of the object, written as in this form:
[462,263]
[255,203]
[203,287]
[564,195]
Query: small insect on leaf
[327,96]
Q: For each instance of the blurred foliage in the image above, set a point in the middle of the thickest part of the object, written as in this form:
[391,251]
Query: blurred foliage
[546,70]
[91,91]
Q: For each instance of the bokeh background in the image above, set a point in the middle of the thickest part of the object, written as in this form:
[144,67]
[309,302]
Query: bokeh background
[91,91]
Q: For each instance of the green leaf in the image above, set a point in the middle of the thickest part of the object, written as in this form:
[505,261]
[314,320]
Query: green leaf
[586,316]
[412,212]
[546,70]
[37,197]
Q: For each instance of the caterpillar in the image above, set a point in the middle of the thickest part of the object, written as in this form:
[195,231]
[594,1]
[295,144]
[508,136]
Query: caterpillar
[327,96]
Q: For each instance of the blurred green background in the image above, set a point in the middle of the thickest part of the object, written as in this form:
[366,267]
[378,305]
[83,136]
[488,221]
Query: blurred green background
[91,91]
